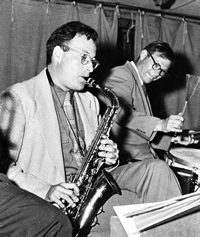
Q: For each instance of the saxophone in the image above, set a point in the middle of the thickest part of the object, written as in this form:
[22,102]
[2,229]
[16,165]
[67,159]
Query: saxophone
[95,184]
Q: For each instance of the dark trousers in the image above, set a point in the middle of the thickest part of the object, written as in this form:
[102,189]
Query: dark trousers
[24,214]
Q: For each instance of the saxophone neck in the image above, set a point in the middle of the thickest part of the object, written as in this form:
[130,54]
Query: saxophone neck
[106,91]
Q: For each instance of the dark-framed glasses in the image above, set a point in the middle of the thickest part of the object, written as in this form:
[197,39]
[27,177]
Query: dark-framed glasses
[85,57]
[156,66]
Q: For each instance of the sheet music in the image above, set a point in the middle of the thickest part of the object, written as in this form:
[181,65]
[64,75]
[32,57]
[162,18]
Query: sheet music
[140,217]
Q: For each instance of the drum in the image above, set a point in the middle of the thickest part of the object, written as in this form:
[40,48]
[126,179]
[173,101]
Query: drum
[185,162]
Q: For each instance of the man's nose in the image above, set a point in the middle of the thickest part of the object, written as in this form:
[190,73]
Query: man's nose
[156,75]
[90,66]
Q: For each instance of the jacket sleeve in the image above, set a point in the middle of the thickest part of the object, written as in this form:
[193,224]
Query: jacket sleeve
[133,114]
[121,82]
[12,127]
[12,123]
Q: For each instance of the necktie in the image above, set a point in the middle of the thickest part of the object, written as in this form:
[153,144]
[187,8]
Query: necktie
[70,114]
[144,89]
[69,111]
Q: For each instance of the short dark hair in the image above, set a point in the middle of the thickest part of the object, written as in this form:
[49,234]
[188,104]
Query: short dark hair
[65,33]
[161,47]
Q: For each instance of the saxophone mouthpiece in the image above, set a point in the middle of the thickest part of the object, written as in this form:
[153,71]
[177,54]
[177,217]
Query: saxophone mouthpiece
[91,83]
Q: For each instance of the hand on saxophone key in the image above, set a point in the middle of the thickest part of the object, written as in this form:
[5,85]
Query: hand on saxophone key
[108,150]
[62,193]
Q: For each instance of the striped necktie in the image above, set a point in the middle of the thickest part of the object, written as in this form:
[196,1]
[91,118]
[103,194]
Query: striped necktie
[69,111]
[70,114]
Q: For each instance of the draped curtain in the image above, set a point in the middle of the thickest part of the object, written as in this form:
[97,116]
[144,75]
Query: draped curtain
[168,95]
[26,25]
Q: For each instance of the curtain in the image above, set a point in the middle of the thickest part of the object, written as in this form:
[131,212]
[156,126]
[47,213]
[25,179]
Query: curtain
[168,95]
[26,25]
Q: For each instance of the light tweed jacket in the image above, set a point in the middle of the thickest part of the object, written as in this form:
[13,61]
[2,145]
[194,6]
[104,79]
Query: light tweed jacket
[28,119]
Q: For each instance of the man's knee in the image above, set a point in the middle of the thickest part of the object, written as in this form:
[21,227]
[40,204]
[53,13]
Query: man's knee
[59,222]
[157,165]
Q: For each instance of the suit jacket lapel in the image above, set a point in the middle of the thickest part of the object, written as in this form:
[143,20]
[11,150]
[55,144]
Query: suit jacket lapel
[144,96]
[47,118]
[88,116]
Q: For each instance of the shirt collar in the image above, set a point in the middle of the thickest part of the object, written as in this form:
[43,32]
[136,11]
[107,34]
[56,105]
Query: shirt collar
[60,93]
[134,66]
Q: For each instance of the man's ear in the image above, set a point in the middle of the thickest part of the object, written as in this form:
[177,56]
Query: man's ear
[143,54]
[57,54]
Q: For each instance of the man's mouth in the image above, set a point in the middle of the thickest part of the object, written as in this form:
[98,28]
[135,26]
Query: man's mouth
[85,78]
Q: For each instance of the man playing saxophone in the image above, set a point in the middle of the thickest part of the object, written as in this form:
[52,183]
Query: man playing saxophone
[50,122]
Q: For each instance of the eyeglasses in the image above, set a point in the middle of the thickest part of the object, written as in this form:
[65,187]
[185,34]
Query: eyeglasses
[85,57]
[156,66]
